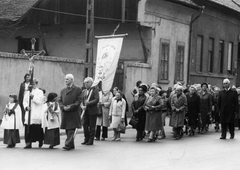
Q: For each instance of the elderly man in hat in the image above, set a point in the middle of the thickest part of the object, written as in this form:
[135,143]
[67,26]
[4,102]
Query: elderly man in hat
[69,102]
[228,106]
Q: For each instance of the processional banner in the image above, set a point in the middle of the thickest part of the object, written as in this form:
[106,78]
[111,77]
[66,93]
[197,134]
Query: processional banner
[108,52]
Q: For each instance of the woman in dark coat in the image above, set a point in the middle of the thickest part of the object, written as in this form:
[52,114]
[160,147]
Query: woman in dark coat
[139,112]
[206,107]
[23,87]
[216,114]
[193,111]
[153,107]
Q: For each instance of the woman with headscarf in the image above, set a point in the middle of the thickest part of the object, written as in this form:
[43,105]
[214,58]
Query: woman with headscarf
[179,106]
[193,111]
[216,114]
[139,112]
[205,107]
[105,99]
[153,106]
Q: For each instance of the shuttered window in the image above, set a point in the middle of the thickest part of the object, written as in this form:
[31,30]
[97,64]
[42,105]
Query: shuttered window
[179,69]
[164,60]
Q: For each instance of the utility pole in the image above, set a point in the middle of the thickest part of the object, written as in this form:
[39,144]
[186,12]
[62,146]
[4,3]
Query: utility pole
[89,38]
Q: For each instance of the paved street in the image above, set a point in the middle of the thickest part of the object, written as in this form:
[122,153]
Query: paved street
[199,152]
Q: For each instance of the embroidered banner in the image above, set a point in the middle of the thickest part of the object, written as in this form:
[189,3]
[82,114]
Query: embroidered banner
[108,52]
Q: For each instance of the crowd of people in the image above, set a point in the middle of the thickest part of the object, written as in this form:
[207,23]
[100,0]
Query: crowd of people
[191,110]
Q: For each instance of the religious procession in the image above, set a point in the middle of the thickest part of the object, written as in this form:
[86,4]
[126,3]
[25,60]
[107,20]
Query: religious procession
[191,111]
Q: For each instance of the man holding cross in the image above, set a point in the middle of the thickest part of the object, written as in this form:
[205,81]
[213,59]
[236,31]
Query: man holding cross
[33,129]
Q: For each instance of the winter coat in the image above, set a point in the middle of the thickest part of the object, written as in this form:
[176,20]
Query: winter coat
[70,97]
[228,105]
[177,119]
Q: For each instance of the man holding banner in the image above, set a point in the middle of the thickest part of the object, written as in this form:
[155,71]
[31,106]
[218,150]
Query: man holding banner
[90,99]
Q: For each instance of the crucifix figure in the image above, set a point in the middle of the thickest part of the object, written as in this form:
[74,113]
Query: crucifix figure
[32,54]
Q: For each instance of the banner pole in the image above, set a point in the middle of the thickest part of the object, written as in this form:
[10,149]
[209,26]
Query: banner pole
[111,36]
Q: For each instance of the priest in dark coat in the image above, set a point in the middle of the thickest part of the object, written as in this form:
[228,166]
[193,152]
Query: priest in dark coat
[23,88]
[228,106]
[70,99]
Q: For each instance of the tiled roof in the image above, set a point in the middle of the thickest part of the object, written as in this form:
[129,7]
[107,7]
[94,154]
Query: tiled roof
[229,4]
[15,9]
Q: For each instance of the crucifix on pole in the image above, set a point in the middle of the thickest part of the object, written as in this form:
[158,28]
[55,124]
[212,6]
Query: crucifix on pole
[32,54]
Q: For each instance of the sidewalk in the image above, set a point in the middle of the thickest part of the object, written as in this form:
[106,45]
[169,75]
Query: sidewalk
[62,131]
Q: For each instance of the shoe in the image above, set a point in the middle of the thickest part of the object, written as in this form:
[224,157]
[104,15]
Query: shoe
[10,146]
[113,139]
[97,139]
[177,137]
[137,139]
[163,136]
[150,140]
[28,146]
[103,139]
[40,144]
[118,139]
[89,143]
[232,137]
[222,137]
[85,142]
[66,148]
[51,147]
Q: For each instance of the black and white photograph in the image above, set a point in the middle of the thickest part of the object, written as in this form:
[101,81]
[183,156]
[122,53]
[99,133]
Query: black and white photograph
[119,84]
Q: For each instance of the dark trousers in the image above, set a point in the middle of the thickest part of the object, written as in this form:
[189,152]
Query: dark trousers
[34,134]
[89,125]
[104,132]
[70,138]
[226,126]
[178,131]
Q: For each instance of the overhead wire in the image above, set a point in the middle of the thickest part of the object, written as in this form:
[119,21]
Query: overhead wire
[80,15]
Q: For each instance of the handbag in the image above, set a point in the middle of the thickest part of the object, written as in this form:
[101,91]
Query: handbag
[121,128]
[99,113]
[133,122]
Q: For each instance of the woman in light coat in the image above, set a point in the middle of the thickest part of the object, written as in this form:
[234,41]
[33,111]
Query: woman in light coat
[117,114]
[105,99]
[12,122]
[179,106]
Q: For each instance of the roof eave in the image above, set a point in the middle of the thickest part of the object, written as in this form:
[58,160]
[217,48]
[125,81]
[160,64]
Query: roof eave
[195,7]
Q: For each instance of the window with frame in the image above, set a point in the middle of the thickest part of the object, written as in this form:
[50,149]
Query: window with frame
[179,69]
[210,54]
[221,56]
[164,60]
[230,57]
[199,56]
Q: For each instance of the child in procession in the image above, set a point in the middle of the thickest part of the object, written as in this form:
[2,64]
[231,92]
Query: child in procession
[51,121]
[12,122]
